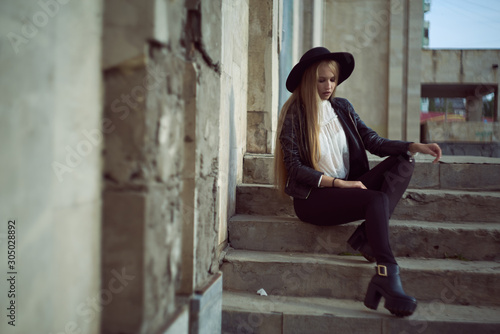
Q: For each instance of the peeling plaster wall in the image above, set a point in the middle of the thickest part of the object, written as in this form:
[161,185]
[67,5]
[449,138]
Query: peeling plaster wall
[205,51]
[207,173]
[50,149]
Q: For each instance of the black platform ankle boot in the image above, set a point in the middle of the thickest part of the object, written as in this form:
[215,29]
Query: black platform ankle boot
[386,283]
[358,241]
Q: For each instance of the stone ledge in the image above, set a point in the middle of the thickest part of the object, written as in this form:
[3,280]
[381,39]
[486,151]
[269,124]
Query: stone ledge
[416,204]
[452,172]
[245,312]
[313,275]
[449,205]
[408,238]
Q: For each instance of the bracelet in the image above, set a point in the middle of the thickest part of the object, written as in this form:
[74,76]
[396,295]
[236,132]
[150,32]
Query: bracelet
[333,182]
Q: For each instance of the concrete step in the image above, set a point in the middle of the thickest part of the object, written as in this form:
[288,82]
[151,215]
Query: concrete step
[453,172]
[471,241]
[250,313]
[347,277]
[416,204]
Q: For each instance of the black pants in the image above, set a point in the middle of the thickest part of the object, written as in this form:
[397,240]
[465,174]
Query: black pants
[386,183]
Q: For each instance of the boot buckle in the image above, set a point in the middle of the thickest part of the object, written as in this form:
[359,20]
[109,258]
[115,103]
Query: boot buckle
[382,270]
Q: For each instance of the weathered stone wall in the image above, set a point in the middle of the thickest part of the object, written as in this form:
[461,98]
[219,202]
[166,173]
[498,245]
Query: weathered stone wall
[174,92]
[142,210]
[202,96]
[142,215]
[50,148]
[177,103]
[207,173]
[219,56]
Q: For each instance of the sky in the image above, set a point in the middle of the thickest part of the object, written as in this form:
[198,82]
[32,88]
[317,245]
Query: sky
[464,24]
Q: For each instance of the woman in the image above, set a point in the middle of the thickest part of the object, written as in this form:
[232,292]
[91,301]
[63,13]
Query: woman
[321,162]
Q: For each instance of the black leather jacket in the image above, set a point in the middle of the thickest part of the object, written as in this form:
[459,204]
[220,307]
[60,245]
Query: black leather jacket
[302,178]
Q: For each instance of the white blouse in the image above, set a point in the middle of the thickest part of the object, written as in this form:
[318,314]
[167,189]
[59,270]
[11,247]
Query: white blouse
[334,157]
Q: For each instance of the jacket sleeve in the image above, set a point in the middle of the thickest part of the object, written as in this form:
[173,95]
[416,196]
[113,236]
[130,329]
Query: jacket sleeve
[296,169]
[373,142]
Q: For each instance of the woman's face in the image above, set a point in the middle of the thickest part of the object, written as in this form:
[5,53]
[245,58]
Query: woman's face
[326,81]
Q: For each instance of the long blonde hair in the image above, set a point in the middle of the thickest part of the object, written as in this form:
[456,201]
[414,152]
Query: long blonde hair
[306,100]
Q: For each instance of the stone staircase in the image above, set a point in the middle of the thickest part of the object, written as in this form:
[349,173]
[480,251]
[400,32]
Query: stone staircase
[445,234]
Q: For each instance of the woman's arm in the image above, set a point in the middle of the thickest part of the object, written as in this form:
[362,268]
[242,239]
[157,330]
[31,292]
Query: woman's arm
[383,146]
[374,143]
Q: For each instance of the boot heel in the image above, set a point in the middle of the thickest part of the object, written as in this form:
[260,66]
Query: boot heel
[372,298]
[387,283]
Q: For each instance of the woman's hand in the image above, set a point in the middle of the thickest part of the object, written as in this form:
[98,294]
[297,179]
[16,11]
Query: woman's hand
[349,184]
[431,149]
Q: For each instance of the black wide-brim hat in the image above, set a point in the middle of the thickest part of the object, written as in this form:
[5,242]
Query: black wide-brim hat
[344,59]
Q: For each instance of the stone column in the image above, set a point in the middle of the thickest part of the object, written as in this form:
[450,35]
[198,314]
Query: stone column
[263,75]
[414,53]
[396,70]
[361,27]
[405,48]
[143,159]
[206,160]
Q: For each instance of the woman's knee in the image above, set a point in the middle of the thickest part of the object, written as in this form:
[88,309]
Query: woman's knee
[406,165]
[400,174]
[379,201]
